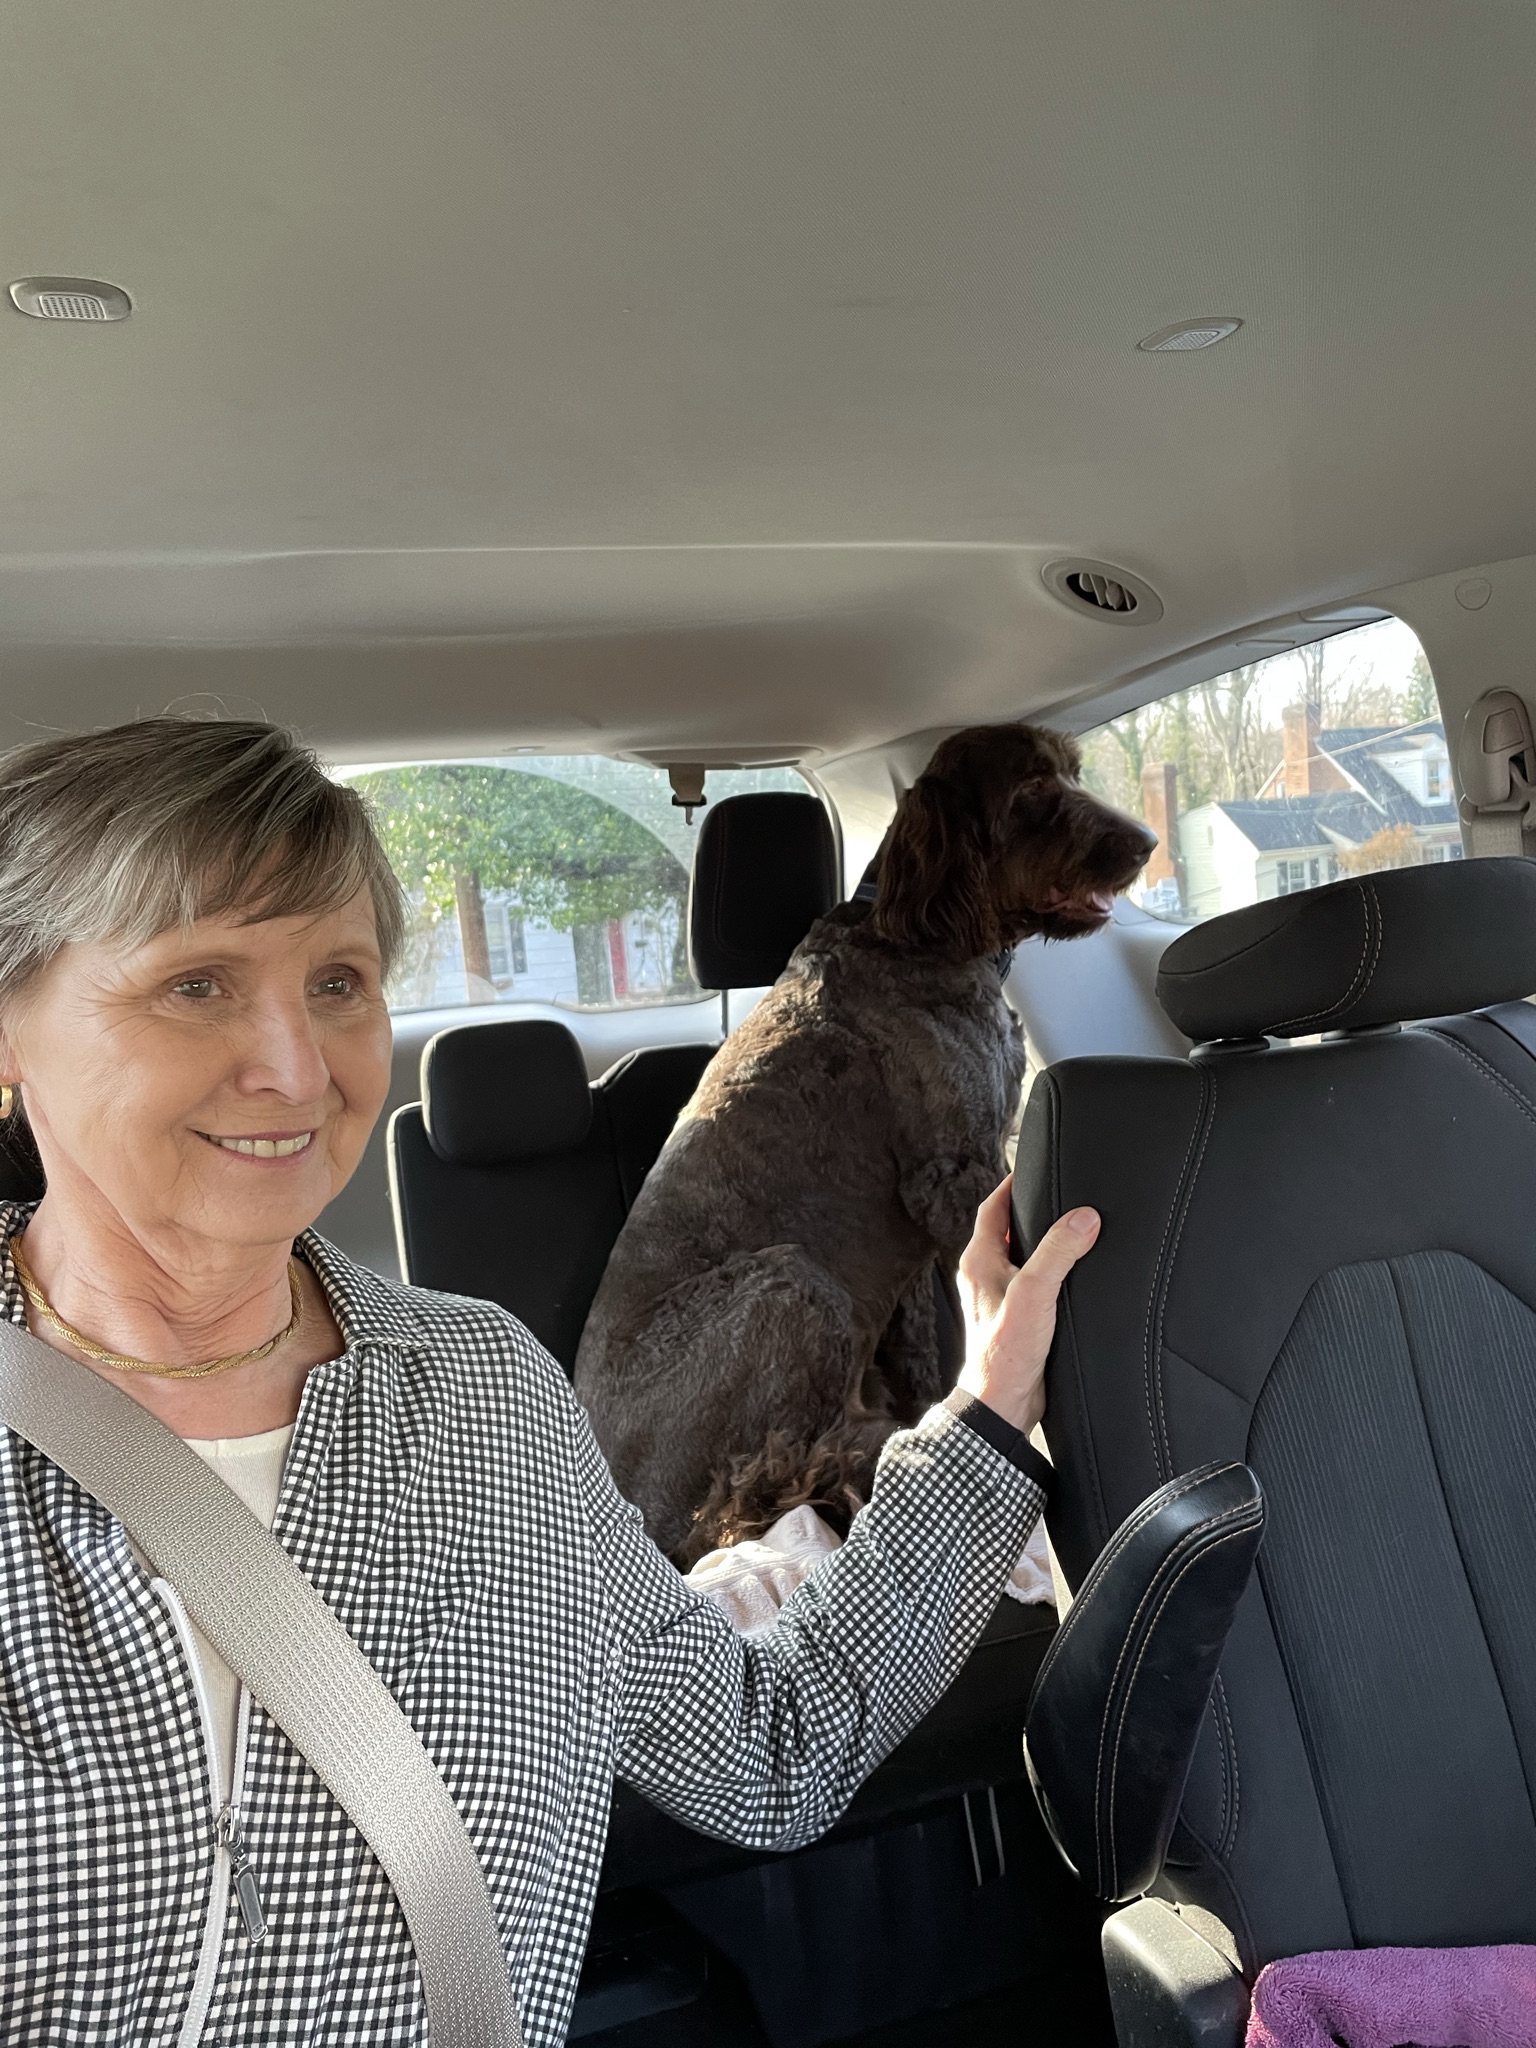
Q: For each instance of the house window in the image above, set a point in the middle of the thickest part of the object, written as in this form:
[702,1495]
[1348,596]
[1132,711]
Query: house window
[1332,744]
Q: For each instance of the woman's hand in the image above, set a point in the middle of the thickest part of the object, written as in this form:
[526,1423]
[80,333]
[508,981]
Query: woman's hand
[1010,1310]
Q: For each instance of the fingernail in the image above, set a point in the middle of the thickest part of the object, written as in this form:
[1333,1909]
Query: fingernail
[1083,1221]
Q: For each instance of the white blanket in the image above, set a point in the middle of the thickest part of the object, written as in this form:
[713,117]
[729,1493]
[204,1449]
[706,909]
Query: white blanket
[751,1581]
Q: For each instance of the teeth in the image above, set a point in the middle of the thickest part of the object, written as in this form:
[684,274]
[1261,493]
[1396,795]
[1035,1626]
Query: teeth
[264,1148]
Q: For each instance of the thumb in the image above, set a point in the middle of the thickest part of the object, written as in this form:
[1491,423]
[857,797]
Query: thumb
[1059,1250]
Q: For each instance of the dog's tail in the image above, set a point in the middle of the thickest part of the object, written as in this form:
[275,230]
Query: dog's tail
[832,1473]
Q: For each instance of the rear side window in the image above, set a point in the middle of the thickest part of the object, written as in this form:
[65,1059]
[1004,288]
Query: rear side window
[554,878]
[1320,762]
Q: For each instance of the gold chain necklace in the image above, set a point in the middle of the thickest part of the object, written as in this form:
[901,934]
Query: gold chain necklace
[51,1316]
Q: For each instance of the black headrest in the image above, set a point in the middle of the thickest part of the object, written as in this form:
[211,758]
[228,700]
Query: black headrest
[764,870]
[495,1092]
[1375,949]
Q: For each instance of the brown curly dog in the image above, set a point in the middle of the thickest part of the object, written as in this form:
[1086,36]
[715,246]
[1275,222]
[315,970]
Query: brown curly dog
[782,1295]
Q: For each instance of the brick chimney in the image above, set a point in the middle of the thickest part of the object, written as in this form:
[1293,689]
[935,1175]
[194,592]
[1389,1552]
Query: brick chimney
[1305,771]
[1160,808]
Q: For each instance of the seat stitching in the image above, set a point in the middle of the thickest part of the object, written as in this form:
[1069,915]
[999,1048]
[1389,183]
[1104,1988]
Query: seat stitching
[1488,1073]
[1253,1519]
[1369,951]
[1243,1528]
[1132,1527]
[1152,1376]
[1161,1447]
[1225,1774]
[1238,952]
[1148,1592]
[1068,1322]
[1450,1518]
[1229,1750]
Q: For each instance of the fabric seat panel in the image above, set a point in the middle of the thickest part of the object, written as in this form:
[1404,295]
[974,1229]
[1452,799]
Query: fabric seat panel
[1473,1346]
[1412,1749]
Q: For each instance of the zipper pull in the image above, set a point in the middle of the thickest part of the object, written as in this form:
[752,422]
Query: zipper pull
[232,1841]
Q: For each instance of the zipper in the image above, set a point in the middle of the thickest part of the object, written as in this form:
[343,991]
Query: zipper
[232,1837]
[231,1862]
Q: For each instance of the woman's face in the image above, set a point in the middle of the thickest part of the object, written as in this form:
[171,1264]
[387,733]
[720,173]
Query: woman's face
[219,1082]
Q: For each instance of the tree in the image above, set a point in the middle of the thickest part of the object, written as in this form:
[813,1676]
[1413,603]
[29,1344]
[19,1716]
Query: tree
[1420,698]
[1228,706]
[1394,846]
[457,830]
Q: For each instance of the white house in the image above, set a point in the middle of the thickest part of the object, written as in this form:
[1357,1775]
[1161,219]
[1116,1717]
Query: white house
[1332,794]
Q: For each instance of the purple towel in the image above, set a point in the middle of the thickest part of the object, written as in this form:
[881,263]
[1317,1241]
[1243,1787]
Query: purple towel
[1386,1997]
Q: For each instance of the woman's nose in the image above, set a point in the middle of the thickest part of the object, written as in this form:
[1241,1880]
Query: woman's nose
[284,1053]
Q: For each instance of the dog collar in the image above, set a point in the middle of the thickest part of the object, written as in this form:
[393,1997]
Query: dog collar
[869,889]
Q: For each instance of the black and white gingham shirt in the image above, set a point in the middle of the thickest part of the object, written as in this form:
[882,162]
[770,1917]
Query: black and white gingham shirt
[444,1493]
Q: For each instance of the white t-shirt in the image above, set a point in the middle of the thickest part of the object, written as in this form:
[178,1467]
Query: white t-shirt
[251,1466]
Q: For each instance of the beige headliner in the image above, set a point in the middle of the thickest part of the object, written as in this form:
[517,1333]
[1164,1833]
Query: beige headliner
[698,375]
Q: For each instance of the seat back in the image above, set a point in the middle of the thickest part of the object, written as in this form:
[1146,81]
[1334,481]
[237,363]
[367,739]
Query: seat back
[1318,1259]
[510,1179]
[764,870]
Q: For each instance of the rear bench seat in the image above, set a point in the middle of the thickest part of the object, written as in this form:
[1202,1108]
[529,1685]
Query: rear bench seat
[511,1177]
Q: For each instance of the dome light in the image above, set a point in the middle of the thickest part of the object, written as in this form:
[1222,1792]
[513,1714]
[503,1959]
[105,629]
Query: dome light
[1190,334]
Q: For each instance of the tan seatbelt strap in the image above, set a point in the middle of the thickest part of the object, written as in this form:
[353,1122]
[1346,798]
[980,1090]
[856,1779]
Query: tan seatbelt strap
[1494,834]
[276,1633]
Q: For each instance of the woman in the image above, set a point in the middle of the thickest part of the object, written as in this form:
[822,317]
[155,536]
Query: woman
[196,929]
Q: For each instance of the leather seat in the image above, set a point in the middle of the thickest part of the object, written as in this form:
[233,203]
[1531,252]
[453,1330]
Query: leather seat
[764,869]
[512,1176]
[1317,1262]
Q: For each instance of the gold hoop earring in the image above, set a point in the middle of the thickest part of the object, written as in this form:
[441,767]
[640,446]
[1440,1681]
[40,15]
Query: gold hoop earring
[7,1101]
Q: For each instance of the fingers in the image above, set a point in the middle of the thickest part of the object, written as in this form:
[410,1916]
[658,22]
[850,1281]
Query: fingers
[1010,1330]
[1059,1250]
[985,1266]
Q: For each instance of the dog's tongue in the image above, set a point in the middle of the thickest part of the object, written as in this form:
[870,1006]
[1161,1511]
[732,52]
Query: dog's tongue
[1097,903]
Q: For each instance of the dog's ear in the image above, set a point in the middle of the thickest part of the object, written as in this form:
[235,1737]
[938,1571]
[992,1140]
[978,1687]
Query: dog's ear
[934,882]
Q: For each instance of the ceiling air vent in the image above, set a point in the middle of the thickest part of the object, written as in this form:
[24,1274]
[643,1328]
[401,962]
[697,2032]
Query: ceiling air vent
[69,298]
[1103,592]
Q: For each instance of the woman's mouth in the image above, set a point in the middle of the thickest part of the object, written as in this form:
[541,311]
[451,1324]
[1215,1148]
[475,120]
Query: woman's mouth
[277,1146]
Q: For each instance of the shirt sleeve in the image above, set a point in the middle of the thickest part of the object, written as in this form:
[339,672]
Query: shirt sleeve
[763,1741]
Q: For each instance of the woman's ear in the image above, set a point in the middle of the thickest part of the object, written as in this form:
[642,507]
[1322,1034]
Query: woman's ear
[934,881]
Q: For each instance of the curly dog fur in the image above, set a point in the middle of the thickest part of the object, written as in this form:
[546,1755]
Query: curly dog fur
[782,1295]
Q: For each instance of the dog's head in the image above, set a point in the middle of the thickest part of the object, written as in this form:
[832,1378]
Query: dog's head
[998,841]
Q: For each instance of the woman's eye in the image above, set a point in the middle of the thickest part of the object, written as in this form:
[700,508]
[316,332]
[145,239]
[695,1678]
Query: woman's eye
[334,985]
[197,986]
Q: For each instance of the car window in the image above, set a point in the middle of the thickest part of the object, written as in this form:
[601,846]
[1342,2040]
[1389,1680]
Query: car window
[553,878]
[1315,763]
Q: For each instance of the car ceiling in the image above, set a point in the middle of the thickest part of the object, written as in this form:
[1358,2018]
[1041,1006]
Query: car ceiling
[715,380]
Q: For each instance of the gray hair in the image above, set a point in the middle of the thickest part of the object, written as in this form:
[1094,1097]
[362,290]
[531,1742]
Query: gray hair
[128,832]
